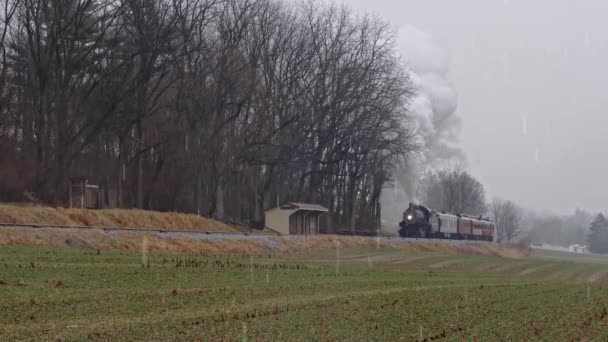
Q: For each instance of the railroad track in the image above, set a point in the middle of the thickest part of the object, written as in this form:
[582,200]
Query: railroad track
[136,230]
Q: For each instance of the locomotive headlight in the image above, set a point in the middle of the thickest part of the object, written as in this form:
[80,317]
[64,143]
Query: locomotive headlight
[410,217]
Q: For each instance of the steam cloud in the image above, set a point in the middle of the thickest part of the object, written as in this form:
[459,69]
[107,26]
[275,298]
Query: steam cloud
[434,108]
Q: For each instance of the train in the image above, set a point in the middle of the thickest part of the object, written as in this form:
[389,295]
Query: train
[422,222]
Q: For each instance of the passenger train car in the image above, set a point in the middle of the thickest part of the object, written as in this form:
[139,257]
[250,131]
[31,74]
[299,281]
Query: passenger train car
[422,222]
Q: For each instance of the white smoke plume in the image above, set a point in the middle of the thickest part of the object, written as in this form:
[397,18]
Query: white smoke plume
[435,103]
[434,108]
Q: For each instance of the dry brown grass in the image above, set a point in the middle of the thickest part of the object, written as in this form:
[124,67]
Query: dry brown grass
[122,218]
[112,240]
[156,242]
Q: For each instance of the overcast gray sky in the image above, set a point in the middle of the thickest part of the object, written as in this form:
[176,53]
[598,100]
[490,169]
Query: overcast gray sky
[532,84]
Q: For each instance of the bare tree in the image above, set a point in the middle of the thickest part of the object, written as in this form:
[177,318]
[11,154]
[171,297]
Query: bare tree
[508,219]
[496,213]
[453,190]
[6,16]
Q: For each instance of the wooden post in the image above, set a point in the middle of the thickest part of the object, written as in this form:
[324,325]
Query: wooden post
[319,224]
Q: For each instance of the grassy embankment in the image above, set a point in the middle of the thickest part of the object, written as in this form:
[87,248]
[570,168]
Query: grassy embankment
[120,218]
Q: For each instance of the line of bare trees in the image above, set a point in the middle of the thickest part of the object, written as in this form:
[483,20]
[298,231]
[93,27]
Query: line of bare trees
[454,190]
[217,107]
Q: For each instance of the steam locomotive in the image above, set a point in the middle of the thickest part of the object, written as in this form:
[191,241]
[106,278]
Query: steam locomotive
[422,222]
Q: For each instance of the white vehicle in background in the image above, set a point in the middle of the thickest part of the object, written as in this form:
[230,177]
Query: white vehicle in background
[578,249]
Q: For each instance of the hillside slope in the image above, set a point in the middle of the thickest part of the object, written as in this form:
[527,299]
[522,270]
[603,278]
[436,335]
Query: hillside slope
[238,244]
[120,218]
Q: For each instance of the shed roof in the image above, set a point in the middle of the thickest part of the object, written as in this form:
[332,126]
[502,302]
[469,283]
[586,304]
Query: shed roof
[304,206]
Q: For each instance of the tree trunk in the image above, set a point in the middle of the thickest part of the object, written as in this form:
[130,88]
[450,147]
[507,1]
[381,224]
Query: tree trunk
[121,173]
[219,199]
[140,167]
[330,214]
[353,216]
[198,196]
[258,213]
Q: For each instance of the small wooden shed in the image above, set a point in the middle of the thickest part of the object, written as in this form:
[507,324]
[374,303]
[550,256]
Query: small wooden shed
[296,218]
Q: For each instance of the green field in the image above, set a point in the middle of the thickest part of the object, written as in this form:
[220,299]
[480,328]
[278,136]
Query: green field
[382,295]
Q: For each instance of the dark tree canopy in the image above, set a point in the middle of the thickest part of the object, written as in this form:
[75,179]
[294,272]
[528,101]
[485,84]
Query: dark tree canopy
[598,235]
[559,230]
[205,106]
